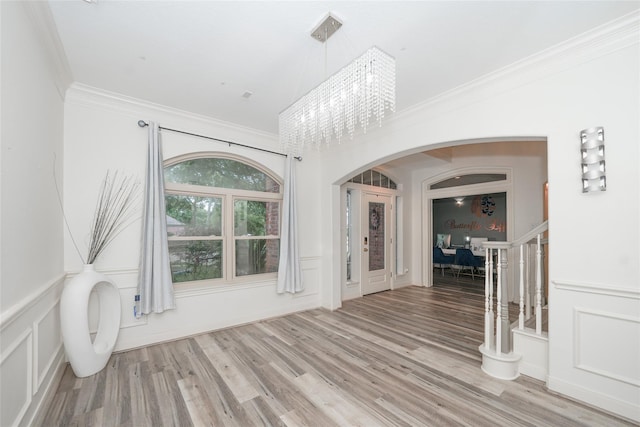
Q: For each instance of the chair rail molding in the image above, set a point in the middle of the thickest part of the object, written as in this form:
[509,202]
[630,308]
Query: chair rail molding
[15,311]
[601,289]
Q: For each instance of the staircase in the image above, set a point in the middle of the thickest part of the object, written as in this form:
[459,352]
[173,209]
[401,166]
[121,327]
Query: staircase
[519,347]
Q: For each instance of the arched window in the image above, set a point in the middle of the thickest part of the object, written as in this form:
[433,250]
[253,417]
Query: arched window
[223,219]
[374,178]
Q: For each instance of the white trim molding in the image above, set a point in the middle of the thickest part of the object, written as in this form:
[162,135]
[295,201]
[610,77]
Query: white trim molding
[600,346]
[84,95]
[40,374]
[610,37]
[599,289]
[12,313]
[628,326]
[594,397]
[25,342]
[32,361]
[40,15]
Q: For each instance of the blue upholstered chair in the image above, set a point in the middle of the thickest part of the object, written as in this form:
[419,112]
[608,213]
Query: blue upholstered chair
[441,260]
[465,259]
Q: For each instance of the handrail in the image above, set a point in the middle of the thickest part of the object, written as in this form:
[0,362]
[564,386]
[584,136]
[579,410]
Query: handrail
[532,234]
[528,236]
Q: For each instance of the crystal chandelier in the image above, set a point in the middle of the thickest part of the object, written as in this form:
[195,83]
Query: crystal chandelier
[353,97]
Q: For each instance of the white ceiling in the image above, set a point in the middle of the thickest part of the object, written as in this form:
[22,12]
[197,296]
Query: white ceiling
[202,56]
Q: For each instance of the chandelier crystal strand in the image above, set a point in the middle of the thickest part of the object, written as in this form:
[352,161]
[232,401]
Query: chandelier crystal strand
[345,101]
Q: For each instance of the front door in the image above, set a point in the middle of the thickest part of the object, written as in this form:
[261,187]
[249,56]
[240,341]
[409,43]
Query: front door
[376,263]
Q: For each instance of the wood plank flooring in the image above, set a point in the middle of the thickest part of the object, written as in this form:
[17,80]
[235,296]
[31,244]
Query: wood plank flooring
[400,358]
[476,285]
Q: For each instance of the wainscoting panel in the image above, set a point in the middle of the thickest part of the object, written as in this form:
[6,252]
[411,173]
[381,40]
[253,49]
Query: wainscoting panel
[594,345]
[16,365]
[310,276]
[620,362]
[47,339]
[32,355]
[204,308]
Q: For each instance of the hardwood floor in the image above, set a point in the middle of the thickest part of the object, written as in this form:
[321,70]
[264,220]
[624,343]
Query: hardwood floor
[400,358]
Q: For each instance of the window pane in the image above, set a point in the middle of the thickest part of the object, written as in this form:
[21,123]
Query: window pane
[195,259]
[375,178]
[376,236]
[257,256]
[384,181]
[366,177]
[470,179]
[225,173]
[256,218]
[193,216]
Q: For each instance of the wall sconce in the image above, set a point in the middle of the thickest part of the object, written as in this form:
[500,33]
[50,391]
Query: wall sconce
[459,200]
[592,152]
[467,242]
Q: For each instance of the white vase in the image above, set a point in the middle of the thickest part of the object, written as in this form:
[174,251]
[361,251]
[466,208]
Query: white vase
[88,357]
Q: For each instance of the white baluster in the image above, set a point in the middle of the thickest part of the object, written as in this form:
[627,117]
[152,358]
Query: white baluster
[522,290]
[504,302]
[538,287]
[491,313]
[528,284]
[488,316]
[499,306]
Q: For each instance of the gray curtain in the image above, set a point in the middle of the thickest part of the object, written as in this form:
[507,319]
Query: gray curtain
[289,273]
[155,289]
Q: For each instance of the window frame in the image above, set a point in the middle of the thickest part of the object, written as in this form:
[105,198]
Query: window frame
[228,197]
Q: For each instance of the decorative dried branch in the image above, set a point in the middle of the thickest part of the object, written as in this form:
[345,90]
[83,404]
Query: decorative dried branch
[64,216]
[114,209]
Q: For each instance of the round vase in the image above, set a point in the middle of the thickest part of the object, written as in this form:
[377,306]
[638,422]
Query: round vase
[87,356]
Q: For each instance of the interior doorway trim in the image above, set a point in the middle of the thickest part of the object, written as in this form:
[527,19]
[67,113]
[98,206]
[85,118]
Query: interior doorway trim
[428,195]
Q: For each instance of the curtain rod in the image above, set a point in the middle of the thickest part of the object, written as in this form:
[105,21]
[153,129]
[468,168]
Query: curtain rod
[142,124]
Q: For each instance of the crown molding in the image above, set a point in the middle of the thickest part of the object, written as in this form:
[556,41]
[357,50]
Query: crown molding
[81,94]
[608,38]
[45,27]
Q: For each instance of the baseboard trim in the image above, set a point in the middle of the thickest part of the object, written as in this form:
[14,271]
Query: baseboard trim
[618,407]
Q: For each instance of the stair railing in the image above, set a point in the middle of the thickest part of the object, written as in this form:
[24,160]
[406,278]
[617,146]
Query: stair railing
[530,268]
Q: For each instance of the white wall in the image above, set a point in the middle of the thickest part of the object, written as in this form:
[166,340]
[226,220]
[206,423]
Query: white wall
[590,81]
[31,227]
[101,133]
